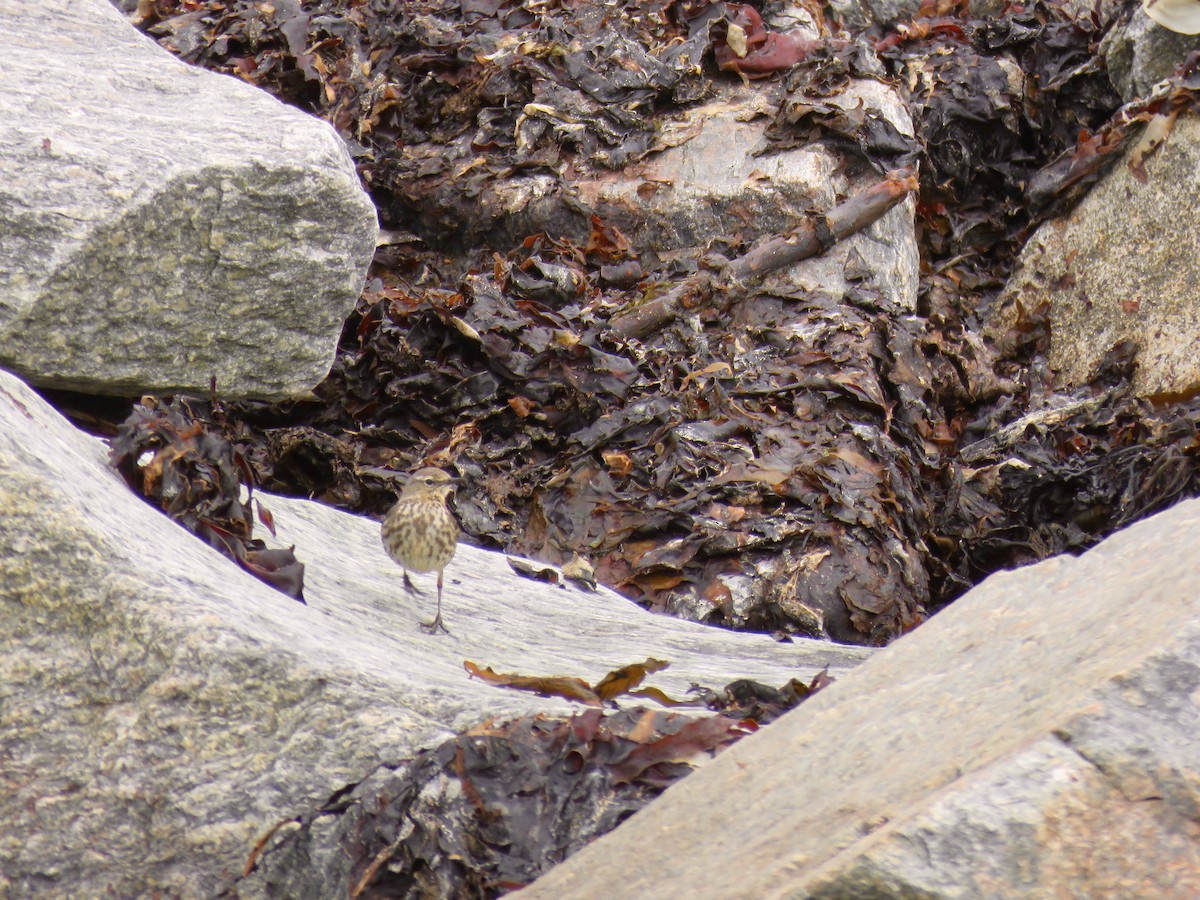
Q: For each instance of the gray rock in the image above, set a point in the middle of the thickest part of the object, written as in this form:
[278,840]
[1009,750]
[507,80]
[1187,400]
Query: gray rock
[1123,266]
[1035,739]
[863,13]
[160,224]
[161,709]
[703,190]
[856,14]
[1141,53]
[707,183]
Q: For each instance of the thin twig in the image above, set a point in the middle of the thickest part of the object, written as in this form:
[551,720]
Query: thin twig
[815,235]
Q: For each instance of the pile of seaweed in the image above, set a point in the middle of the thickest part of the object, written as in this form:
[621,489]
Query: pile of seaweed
[711,467]
[706,464]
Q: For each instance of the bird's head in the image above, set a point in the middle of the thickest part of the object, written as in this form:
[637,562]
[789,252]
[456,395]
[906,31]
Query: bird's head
[428,482]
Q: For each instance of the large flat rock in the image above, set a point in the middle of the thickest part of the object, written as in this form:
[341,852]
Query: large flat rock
[160,225]
[1036,739]
[161,709]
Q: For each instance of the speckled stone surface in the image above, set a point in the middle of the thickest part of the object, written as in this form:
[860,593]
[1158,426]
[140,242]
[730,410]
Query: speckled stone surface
[161,225]
[1035,739]
[160,709]
[1122,266]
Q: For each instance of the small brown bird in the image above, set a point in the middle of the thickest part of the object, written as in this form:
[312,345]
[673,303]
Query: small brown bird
[420,532]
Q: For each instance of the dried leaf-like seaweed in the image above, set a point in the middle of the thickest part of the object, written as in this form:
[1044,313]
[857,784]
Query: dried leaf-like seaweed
[522,795]
[784,463]
[177,459]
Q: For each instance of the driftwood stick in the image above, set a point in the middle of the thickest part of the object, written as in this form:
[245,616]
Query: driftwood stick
[815,235]
[693,292]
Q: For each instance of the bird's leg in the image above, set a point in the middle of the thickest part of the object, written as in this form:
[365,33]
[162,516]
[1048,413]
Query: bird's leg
[436,625]
[408,584]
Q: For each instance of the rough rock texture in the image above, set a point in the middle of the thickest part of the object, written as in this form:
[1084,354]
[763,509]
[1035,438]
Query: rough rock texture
[1123,267]
[709,183]
[1035,739]
[863,13]
[162,709]
[160,224]
[1142,53]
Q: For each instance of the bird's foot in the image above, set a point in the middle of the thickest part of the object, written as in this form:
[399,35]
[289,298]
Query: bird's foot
[435,626]
[409,586]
